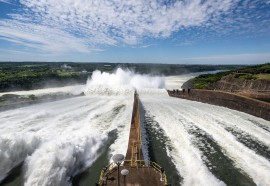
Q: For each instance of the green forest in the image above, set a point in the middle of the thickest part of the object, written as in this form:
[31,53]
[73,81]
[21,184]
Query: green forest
[35,75]
[248,73]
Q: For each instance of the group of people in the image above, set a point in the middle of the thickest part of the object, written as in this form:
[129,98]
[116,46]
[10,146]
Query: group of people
[183,91]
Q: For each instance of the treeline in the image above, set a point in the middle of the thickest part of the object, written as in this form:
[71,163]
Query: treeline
[27,76]
[204,81]
[34,75]
[256,69]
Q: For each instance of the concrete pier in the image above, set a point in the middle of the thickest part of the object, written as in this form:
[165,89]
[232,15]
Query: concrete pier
[141,172]
[134,151]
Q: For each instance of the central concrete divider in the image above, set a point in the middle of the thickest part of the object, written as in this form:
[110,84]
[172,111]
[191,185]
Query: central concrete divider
[140,172]
[230,100]
[134,151]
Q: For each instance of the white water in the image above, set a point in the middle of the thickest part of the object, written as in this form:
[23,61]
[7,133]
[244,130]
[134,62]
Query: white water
[77,89]
[173,114]
[57,140]
[60,136]
[121,82]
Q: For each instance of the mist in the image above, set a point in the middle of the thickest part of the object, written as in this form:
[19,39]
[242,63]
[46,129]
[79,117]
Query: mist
[122,82]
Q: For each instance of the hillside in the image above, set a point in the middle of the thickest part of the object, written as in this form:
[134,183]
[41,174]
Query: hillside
[251,81]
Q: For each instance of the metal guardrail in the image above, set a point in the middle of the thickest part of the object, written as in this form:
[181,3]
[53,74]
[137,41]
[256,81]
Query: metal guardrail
[106,171]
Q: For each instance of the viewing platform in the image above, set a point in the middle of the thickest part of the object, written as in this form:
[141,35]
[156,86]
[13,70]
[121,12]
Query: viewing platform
[135,171]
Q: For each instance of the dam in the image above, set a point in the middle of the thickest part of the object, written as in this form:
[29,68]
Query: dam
[134,169]
[195,143]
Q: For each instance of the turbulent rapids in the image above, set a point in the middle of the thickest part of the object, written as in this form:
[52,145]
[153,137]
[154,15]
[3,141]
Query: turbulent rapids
[207,145]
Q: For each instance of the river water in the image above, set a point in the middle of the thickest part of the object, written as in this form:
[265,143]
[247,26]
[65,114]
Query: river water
[67,142]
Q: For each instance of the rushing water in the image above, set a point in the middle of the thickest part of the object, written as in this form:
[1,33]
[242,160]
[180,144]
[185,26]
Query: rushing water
[67,142]
[204,151]
[57,140]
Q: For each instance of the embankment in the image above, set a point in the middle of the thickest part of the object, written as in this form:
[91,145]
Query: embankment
[230,82]
[248,105]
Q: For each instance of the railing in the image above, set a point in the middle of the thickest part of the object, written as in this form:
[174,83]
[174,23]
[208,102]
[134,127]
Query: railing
[106,171]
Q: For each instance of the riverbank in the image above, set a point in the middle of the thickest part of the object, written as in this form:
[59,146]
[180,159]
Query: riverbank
[230,100]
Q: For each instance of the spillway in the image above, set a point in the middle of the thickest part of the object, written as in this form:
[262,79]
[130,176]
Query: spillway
[57,140]
[202,144]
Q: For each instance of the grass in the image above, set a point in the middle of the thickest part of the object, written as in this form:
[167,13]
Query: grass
[248,76]
[247,73]
[203,81]
[263,76]
[257,69]
[245,76]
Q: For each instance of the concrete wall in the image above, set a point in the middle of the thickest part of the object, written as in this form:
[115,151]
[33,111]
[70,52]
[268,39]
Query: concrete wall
[229,100]
[134,151]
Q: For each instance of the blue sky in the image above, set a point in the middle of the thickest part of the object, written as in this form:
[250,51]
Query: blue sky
[136,31]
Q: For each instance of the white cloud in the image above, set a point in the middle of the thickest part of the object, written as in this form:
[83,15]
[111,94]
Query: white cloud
[41,37]
[82,25]
[104,22]
[5,1]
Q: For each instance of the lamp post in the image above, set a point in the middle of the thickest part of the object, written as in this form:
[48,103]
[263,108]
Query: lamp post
[162,172]
[124,172]
[118,159]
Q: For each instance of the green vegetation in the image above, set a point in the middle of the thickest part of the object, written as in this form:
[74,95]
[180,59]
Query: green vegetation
[246,73]
[263,76]
[254,72]
[203,81]
[256,69]
[34,75]
[245,76]
[26,76]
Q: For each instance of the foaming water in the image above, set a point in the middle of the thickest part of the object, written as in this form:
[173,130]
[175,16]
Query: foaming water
[185,155]
[121,82]
[75,90]
[13,150]
[58,160]
[60,139]
[174,114]
[57,140]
